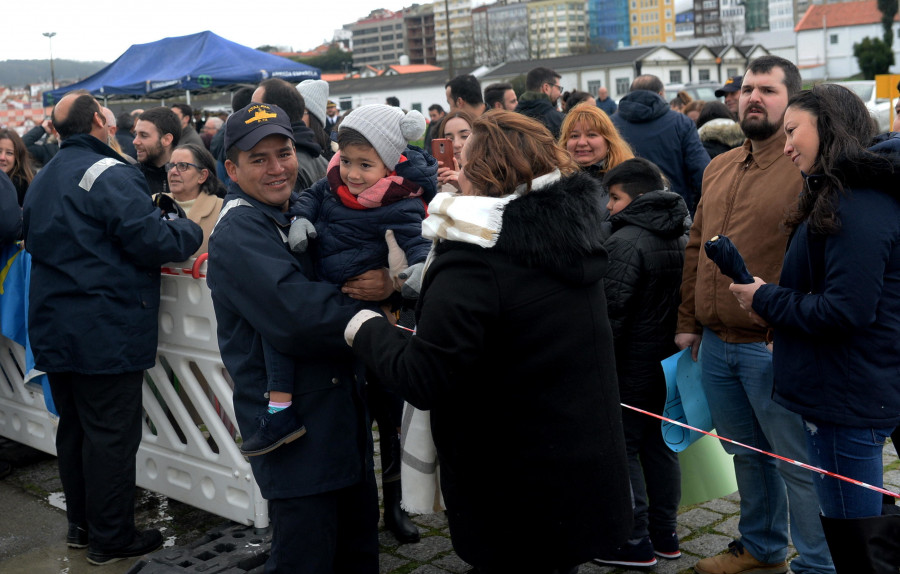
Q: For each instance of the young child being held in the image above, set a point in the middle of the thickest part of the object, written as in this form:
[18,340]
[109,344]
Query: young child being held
[643,280]
[374,184]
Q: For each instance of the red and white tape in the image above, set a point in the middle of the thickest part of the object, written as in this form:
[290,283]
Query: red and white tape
[773,455]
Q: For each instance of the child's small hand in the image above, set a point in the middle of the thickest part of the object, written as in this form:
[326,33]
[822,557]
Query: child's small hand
[302,230]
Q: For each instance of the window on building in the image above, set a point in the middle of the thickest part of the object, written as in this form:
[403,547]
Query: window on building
[833,38]
[703,74]
[731,72]
[668,26]
[674,76]
[622,85]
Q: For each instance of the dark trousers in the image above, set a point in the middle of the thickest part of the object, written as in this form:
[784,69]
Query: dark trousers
[654,472]
[96,443]
[331,533]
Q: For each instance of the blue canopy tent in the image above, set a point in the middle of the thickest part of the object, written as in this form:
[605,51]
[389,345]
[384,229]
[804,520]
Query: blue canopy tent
[197,63]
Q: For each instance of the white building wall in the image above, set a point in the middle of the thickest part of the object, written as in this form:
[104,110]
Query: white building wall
[835,45]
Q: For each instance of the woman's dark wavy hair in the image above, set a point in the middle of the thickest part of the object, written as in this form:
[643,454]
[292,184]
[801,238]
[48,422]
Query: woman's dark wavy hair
[845,130]
[212,185]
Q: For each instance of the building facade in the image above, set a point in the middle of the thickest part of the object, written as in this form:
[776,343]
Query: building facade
[608,24]
[419,24]
[557,28]
[651,21]
[460,40]
[501,33]
[379,39]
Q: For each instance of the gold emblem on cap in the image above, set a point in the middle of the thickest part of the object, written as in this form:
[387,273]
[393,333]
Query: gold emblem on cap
[261,113]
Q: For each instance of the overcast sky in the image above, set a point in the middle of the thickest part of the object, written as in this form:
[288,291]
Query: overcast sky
[103,29]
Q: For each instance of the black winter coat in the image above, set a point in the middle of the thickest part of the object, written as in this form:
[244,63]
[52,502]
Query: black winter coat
[513,356]
[544,111]
[646,257]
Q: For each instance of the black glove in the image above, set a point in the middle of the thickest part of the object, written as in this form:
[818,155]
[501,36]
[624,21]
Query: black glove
[727,257]
[167,206]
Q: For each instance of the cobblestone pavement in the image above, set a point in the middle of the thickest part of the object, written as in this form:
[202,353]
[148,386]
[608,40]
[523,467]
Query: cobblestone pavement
[704,529]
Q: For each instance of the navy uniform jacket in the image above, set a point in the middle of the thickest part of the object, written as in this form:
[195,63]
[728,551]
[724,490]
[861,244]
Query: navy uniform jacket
[97,243]
[261,290]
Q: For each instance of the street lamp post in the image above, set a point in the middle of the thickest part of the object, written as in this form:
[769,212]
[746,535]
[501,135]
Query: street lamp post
[49,36]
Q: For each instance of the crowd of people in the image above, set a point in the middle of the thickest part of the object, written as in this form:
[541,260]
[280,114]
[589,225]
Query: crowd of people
[541,269]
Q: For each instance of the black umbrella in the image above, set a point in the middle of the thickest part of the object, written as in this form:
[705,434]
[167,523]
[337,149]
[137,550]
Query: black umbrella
[724,254]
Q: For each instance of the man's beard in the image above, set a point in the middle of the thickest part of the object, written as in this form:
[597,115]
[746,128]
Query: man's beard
[153,154]
[758,129]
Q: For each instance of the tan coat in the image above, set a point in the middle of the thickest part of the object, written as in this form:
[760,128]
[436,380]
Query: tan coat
[745,197]
[205,213]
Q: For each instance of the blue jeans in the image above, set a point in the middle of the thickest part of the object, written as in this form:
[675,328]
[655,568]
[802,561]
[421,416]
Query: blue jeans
[738,381]
[852,452]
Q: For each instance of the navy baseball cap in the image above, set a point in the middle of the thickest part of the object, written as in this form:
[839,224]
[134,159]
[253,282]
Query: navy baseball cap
[732,84]
[249,125]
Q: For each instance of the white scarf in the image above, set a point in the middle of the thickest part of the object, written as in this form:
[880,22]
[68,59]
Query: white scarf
[474,219]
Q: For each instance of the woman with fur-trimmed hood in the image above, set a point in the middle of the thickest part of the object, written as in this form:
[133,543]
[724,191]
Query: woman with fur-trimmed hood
[717,130]
[513,357]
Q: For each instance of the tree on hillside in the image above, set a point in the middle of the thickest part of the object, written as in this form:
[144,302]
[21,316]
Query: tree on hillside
[888,10]
[268,48]
[874,57]
[333,61]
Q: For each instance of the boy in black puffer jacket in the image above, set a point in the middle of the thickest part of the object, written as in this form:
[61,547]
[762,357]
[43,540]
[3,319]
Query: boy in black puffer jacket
[646,256]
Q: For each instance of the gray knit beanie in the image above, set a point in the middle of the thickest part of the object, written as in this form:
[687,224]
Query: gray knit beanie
[315,94]
[387,128]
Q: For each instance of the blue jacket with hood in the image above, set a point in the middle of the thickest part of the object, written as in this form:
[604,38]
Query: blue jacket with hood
[667,138]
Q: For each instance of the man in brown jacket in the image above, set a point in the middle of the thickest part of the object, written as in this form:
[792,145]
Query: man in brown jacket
[746,194]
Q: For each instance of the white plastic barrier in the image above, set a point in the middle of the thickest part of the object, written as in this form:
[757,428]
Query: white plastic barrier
[188,451]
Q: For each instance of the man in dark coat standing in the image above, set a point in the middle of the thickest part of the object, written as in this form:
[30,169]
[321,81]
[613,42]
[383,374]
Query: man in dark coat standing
[542,91]
[666,137]
[323,501]
[97,243]
[606,103]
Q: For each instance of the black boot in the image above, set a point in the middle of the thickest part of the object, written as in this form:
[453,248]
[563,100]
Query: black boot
[870,545]
[395,518]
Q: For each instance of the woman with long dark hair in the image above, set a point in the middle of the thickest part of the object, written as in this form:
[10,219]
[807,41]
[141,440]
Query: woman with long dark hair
[836,310]
[513,357]
[15,161]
